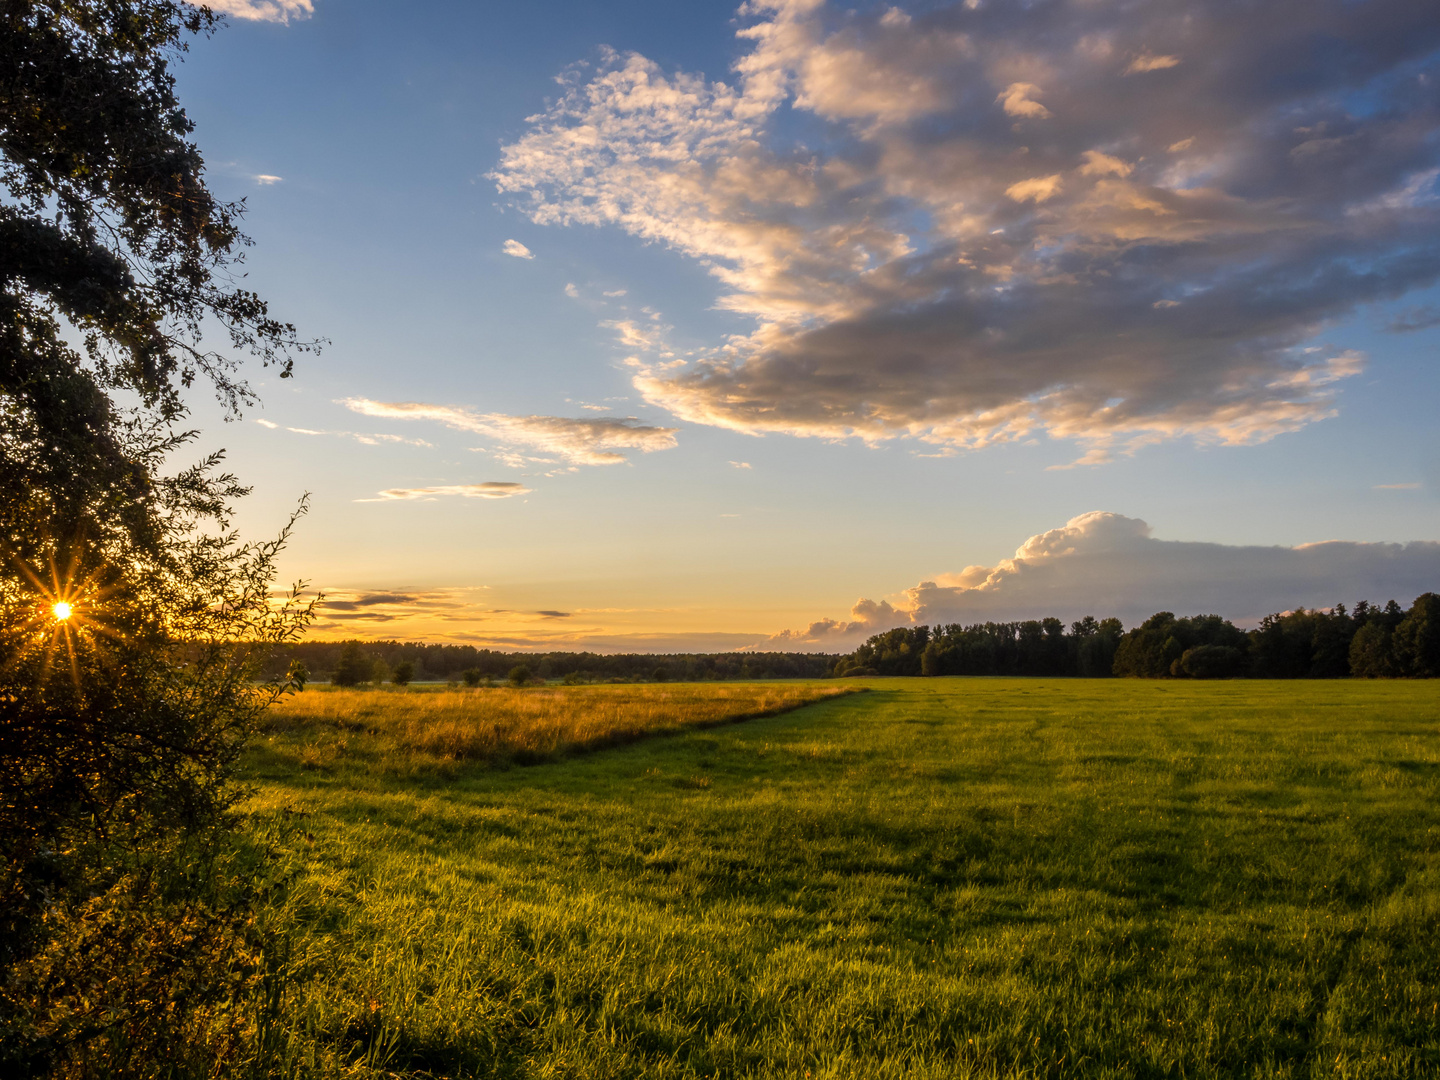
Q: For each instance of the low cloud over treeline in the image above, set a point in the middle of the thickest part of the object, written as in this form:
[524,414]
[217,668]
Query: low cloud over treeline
[1368,642]
[1111,563]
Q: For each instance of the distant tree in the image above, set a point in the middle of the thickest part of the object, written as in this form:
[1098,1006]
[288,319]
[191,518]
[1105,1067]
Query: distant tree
[660,674]
[404,672]
[1372,649]
[1157,647]
[1417,639]
[1371,656]
[379,671]
[1095,644]
[519,675]
[353,668]
[472,676]
[1148,651]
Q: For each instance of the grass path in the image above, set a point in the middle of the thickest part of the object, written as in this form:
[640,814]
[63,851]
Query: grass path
[939,878]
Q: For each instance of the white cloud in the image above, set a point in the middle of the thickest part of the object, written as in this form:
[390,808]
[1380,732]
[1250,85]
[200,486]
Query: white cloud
[741,464]
[580,441]
[1106,564]
[491,489]
[1037,189]
[1149,62]
[281,11]
[367,438]
[265,179]
[1018,100]
[1100,164]
[1399,487]
[519,251]
[918,263]
[571,291]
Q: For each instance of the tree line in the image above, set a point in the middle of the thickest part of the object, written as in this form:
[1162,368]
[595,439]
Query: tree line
[1366,642]
[380,661]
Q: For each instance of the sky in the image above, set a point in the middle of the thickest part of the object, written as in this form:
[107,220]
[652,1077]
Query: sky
[663,327]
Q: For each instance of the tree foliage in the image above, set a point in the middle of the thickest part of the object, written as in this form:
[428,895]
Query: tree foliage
[133,621]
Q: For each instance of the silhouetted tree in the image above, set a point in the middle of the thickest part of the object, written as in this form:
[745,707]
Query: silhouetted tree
[120,723]
[354,667]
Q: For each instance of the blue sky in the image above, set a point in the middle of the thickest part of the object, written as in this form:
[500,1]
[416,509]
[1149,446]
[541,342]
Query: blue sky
[368,143]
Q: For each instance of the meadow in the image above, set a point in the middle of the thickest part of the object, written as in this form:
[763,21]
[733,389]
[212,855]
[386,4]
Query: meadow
[936,878]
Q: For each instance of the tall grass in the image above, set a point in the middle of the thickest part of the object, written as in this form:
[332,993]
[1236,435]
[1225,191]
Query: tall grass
[522,725]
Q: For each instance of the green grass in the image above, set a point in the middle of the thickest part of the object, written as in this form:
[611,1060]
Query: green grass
[939,878]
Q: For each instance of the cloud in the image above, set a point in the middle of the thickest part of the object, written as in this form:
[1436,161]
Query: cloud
[581,441]
[1017,100]
[1037,189]
[1415,318]
[1106,564]
[460,614]
[1148,62]
[741,464]
[520,251]
[964,225]
[491,489]
[1399,487]
[367,438]
[265,179]
[281,11]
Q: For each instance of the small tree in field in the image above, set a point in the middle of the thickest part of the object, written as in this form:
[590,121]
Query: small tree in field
[519,675]
[472,676]
[403,673]
[354,667]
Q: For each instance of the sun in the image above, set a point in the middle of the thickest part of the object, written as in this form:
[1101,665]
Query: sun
[62,611]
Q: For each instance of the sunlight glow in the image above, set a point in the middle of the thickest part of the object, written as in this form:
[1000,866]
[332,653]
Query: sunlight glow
[62,611]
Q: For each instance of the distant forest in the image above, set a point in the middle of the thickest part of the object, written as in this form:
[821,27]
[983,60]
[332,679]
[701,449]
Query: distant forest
[451,663]
[1367,641]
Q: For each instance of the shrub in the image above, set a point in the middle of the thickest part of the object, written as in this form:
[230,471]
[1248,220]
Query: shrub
[404,672]
[519,675]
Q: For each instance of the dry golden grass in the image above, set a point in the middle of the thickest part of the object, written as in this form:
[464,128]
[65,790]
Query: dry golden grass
[532,724]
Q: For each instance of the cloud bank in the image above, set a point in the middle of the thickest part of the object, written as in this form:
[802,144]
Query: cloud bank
[1105,564]
[1109,223]
[583,441]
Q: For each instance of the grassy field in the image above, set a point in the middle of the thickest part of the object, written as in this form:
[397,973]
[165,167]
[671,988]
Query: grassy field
[938,878]
[425,729]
